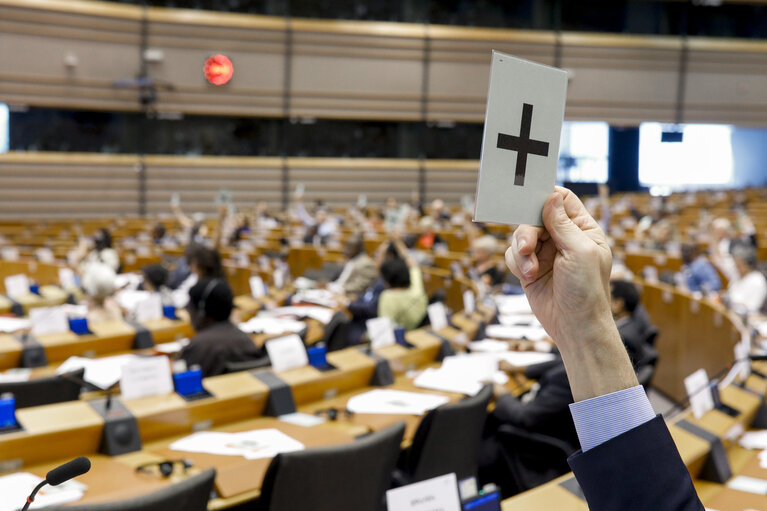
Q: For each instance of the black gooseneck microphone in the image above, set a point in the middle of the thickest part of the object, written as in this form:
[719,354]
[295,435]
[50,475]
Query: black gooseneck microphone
[60,474]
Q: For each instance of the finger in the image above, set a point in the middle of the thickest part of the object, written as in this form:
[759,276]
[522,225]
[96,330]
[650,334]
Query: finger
[576,210]
[565,233]
[521,257]
[524,267]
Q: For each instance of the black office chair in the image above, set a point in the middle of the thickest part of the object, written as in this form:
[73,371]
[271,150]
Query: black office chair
[349,476]
[447,440]
[336,333]
[646,366]
[44,391]
[248,365]
[191,494]
[532,458]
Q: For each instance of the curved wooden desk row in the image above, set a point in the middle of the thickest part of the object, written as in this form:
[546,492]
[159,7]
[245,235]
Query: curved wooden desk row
[57,432]
[694,332]
[107,338]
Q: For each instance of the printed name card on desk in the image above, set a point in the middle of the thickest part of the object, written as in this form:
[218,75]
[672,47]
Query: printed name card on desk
[146,376]
[381,332]
[149,309]
[67,278]
[257,288]
[437,316]
[48,320]
[17,286]
[520,146]
[286,353]
[699,393]
[469,304]
[439,493]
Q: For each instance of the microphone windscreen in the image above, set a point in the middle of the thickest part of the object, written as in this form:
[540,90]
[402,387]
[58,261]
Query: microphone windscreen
[68,470]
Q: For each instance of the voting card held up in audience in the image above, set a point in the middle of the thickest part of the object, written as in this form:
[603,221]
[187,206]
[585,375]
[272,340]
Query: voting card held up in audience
[520,146]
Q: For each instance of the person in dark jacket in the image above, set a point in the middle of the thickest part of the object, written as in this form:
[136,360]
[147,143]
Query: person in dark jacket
[217,340]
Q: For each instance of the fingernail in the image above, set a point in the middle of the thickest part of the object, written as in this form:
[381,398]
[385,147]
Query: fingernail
[527,266]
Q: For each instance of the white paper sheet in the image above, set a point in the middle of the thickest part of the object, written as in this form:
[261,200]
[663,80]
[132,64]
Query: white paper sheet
[257,288]
[445,381]
[10,325]
[321,297]
[519,320]
[14,489]
[171,348]
[301,419]
[102,372]
[271,326]
[513,304]
[526,358]
[321,314]
[16,375]
[260,443]
[748,484]
[129,298]
[516,332]
[394,402]
[488,346]
[754,439]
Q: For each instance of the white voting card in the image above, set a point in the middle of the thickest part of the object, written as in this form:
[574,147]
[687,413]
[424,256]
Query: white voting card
[437,316]
[380,331]
[146,376]
[286,353]
[701,400]
[257,288]
[48,320]
[17,286]
[394,402]
[439,493]
[520,146]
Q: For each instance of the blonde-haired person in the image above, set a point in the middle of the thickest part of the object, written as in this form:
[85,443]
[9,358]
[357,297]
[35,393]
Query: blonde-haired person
[483,249]
[98,283]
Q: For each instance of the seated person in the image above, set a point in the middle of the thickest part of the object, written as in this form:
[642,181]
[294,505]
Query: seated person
[633,324]
[102,252]
[217,340]
[748,291]
[365,305]
[198,262]
[404,300]
[360,271]
[155,281]
[98,283]
[428,237]
[543,410]
[483,249]
[699,274]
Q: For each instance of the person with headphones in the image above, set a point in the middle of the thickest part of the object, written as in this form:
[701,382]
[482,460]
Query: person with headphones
[217,340]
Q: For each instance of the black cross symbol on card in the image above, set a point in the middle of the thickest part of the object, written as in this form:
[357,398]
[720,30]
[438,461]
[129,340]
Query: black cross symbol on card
[523,144]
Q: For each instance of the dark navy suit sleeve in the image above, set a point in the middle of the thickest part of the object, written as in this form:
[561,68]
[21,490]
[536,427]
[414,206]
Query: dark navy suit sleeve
[640,470]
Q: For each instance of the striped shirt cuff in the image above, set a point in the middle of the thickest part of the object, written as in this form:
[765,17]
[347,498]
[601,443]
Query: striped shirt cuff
[603,418]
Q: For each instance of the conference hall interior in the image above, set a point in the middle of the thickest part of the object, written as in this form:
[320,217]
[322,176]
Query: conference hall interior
[266,254]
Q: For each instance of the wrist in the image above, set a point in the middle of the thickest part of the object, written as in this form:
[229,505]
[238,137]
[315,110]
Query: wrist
[597,363]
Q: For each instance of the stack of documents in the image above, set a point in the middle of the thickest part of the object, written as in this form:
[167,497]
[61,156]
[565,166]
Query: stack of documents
[394,402]
[259,443]
[15,488]
[754,439]
[321,314]
[102,372]
[271,326]
[317,296]
[464,374]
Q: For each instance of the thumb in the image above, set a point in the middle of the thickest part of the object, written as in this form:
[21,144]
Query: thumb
[563,231]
